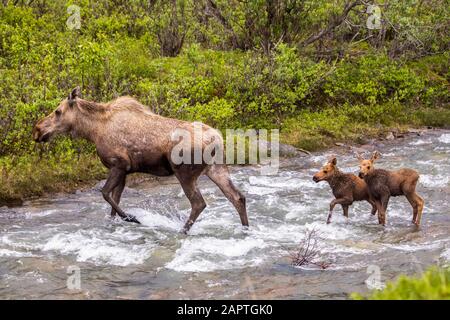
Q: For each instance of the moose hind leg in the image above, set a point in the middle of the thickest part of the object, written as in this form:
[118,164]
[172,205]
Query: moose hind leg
[116,176]
[221,177]
[415,206]
[420,209]
[198,204]
[417,203]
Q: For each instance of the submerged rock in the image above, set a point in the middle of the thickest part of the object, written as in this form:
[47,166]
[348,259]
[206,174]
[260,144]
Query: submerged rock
[285,150]
[390,136]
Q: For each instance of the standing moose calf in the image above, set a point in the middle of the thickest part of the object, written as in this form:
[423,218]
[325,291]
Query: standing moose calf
[130,138]
[383,184]
[346,187]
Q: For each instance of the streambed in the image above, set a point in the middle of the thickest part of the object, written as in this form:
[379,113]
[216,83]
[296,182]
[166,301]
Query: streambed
[42,239]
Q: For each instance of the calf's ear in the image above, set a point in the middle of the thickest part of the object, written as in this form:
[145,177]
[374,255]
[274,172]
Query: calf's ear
[333,161]
[375,156]
[359,157]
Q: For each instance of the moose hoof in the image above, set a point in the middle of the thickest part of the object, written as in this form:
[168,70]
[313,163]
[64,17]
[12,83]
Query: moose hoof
[130,218]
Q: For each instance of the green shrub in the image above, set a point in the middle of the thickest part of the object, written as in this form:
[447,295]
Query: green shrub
[434,284]
[372,79]
[217,112]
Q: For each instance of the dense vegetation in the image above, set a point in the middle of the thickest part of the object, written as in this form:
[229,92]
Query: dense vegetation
[434,284]
[314,69]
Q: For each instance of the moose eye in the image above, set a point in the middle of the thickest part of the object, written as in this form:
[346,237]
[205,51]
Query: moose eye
[368,168]
[325,171]
[58,112]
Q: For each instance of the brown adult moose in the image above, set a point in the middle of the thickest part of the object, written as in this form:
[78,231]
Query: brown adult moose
[384,184]
[346,187]
[130,138]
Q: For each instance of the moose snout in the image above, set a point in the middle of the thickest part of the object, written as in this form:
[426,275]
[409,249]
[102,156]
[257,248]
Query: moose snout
[361,175]
[36,133]
[315,179]
[40,134]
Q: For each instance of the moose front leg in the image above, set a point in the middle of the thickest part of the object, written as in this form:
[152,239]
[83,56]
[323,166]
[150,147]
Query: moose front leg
[115,178]
[345,210]
[384,204]
[374,206]
[341,201]
[117,193]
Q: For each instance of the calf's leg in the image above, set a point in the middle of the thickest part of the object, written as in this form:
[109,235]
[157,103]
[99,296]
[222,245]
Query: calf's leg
[374,207]
[420,209]
[221,177]
[345,209]
[380,210]
[341,201]
[417,204]
[384,203]
[115,178]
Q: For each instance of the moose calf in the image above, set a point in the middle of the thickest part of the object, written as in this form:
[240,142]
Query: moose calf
[346,187]
[383,184]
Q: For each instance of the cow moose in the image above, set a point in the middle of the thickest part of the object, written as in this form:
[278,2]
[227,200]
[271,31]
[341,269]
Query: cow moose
[130,138]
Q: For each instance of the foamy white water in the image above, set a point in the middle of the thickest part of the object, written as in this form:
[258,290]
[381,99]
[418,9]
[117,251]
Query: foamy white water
[445,138]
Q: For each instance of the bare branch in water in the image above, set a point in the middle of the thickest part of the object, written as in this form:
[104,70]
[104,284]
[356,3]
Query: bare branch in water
[307,252]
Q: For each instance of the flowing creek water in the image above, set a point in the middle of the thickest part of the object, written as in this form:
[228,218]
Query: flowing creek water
[42,239]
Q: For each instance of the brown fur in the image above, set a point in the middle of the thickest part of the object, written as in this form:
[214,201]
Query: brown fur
[130,138]
[346,187]
[383,184]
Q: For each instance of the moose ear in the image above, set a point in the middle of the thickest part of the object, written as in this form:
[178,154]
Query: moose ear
[375,156]
[76,93]
[333,161]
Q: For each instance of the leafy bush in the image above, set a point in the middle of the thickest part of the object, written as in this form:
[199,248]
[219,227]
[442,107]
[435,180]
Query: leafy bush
[434,284]
[373,79]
